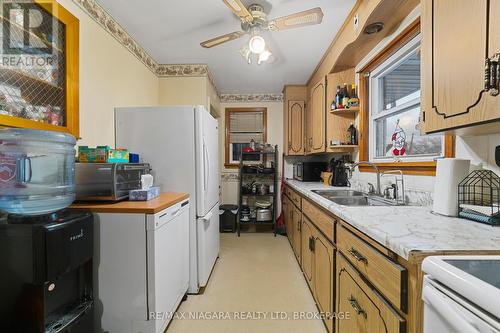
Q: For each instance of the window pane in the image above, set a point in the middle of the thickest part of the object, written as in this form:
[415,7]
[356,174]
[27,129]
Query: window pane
[397,135]
[238,148]
[401,84]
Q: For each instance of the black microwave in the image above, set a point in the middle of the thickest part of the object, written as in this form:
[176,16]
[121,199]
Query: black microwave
[308,171]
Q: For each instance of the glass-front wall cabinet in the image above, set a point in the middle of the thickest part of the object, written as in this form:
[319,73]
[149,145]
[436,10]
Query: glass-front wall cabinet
[38,66]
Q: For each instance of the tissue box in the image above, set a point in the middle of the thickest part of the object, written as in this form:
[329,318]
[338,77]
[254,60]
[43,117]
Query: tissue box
[118,156]
[144,195]
[102,154]
[92,155]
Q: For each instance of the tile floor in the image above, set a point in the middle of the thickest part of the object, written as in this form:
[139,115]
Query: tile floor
[255,273]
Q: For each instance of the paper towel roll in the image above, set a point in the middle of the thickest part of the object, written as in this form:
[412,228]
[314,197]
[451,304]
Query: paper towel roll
[449,173]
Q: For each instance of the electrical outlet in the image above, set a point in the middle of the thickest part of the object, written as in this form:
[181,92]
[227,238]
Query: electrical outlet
[356,22]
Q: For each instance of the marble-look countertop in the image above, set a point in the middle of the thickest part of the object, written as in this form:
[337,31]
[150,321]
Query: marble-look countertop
[404,229]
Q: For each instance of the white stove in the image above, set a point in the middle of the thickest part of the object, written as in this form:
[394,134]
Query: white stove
[461,294]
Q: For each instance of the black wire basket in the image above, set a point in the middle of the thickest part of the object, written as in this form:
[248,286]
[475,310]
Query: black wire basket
[479,197]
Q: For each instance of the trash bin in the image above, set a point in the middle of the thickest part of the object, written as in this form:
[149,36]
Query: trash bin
[228,214]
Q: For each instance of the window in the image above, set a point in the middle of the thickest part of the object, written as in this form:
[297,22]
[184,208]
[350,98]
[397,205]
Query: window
[390,110]
[242,126]
[395,110]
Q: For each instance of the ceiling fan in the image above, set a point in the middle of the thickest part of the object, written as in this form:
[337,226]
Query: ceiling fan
[254,21]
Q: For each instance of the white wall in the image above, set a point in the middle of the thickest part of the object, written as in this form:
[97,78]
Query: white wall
[110,76]
[274,137]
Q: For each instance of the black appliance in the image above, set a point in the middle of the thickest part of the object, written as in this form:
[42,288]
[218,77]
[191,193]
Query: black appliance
[340,173]
[46,273]
[497,155]
[309,171]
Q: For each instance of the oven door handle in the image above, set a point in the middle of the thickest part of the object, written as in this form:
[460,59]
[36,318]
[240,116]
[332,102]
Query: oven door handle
[446,311]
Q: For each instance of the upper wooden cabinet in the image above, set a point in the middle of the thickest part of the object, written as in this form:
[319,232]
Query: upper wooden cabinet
[315,123]
[293,115]
[39,76]
[457,37]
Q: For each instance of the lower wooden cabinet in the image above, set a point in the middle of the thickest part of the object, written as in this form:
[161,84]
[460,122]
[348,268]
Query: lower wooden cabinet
[297,224]
[318,256]
[324,278]
[293,222]
[307,254]
[368,312]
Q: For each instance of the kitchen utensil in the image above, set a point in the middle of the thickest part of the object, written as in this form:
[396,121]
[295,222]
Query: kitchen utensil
[37,171]
[263,189]
[264,215]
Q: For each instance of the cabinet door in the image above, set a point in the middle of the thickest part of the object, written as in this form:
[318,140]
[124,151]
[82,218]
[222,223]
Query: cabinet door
[323,275]
[297,223]
[308,126]
[289,220]
[453,70]
[296,127]
[369,313]
[307,254]
[318,115]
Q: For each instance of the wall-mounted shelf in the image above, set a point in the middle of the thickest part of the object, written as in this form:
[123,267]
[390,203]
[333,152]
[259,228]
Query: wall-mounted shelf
[342,148]
[345,111]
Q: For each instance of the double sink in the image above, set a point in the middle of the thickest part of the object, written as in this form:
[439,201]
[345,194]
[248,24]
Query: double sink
[353,198]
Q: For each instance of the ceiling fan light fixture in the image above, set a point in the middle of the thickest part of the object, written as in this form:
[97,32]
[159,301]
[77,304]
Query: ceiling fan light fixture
[257,44]
[264,56]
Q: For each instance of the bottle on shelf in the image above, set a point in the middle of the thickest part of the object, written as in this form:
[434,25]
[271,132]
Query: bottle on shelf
[354,100]
[345,97]
[353,135]
[338,99]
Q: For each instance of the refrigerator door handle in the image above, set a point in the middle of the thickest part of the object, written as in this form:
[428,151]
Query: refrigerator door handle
[207,217]
[206,166]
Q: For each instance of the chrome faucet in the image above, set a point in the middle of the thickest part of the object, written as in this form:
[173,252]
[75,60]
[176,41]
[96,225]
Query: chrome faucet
[375,167]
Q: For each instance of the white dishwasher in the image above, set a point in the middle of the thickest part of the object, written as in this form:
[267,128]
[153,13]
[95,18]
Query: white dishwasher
[143,268]
[168,262]
[461,294]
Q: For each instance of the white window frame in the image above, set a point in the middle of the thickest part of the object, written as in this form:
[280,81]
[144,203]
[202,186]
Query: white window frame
[375,101]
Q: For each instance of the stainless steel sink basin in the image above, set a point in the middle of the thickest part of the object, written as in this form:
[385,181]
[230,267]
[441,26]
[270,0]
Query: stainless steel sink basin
[353,198]
[362,201]
[338,193]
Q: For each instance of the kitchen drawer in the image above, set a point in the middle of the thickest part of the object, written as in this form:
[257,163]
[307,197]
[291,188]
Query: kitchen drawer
[324,222]
[296,198]
[387,276]
[369,312]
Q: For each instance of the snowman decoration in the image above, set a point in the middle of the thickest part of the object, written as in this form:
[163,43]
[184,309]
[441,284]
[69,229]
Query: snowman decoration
[398,141]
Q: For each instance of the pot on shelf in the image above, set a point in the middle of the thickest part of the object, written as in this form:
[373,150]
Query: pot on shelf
[37,171]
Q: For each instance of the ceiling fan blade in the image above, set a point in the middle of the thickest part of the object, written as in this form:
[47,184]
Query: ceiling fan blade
[297,20]
[239,10]
[222,39]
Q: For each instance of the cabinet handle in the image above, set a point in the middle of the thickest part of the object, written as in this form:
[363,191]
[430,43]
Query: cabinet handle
[357,255]
[355,305]
[298,226]
[312,244]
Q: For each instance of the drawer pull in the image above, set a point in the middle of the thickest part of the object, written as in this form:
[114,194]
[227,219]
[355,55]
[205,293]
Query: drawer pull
[357,255]
[355,305]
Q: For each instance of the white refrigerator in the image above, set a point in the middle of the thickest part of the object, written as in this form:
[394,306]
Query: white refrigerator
[181,144]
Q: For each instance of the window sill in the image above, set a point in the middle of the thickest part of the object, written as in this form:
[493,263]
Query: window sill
[408,168]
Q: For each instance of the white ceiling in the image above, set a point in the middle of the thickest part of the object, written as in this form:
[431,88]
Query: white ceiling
[171,32]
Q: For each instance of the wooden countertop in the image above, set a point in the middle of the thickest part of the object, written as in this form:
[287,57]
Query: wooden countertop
[154,206]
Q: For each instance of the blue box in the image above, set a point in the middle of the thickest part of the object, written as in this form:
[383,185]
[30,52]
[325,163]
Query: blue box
[144,195]
[133,158]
